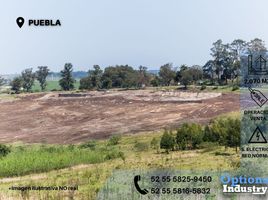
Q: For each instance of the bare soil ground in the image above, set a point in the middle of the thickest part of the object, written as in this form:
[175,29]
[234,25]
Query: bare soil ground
[49,118]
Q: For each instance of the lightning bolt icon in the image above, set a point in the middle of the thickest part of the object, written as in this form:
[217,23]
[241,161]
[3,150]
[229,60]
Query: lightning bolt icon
[258,136]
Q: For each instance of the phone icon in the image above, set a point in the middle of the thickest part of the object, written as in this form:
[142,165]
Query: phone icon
[136,180]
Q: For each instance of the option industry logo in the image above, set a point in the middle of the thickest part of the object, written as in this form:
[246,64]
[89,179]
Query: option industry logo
[242,184]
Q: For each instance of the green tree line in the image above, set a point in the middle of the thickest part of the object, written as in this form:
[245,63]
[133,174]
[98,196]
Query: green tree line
[225,132]
[223,67]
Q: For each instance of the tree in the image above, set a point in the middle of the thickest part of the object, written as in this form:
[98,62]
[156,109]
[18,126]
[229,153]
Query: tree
[167,141]
[4,150]
[41,76]
[256,46]
[93,80]
[155,82]
[182,137]
[219,53]
[224,57]
[2,81]
[196,73]
[120,76]
[234,70]
[208,137]
[218,132]
[167,74]
[67,81]
[238,46]
[27,79]
[212,133]
[16,84]
[233,133]
[186,78]
[107,82]
[85,83]
[143,76]
[189,135]
[224,131]
[179,72]
[95,76]
[196,133]
[209,70]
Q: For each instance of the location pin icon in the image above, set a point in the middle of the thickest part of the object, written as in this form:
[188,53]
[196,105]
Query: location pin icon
[20,21]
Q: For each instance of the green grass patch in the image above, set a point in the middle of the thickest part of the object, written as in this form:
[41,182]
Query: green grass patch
[198,88]
[42,158]
[232,115]
[51,85]
[133,151]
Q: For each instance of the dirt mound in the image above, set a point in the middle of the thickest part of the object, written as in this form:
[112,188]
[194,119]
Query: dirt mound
[53,119]
[142,95]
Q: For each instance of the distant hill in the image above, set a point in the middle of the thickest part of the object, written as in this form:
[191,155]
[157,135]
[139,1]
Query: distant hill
[9,77]
[76,75]
[56,75]
[153,71]
[82,74]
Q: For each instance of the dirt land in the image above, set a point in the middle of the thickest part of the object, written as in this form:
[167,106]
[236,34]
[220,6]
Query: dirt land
[52,119]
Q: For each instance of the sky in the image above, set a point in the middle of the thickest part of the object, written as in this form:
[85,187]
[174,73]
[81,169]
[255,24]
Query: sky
[137,32]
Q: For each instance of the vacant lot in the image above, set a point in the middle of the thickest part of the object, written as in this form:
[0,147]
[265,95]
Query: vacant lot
[49,118]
